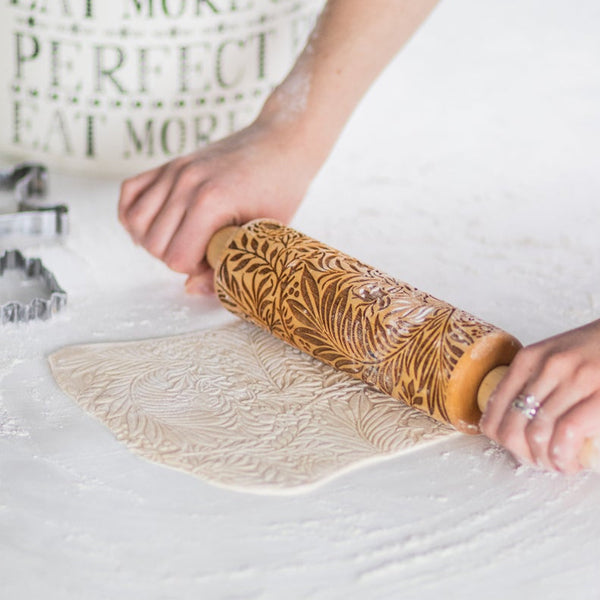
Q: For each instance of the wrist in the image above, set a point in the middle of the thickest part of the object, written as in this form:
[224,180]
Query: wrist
[297,129]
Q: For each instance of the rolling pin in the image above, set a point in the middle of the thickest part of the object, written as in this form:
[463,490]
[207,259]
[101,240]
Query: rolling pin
[404,342]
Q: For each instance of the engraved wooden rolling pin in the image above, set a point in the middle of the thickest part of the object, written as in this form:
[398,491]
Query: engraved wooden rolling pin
[359,320]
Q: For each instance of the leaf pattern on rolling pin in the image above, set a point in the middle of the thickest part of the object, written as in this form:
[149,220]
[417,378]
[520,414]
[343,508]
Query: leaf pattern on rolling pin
[351,316]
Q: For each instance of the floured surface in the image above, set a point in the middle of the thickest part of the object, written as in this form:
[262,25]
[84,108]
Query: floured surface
[472,175]
[239,408]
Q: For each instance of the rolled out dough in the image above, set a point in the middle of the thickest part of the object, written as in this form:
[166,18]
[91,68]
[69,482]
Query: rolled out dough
[238,408]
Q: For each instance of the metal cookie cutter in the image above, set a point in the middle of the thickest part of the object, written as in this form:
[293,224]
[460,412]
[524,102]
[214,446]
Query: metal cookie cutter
[38,308]
[34,216]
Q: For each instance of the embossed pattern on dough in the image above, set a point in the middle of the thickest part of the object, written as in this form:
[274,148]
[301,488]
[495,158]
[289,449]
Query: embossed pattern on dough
[237,407]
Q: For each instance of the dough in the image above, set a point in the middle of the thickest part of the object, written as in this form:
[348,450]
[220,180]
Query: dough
[238,408]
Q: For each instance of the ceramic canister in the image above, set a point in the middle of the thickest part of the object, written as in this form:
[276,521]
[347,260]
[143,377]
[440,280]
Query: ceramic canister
[119,86]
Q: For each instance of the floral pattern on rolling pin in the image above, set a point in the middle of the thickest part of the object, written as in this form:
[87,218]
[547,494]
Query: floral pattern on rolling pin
[351,316]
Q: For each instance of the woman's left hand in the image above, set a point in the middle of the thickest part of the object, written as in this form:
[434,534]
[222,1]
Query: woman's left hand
[560,378]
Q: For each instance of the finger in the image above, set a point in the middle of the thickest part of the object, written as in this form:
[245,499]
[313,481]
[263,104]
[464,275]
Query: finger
[522,377]
[508,388]
[571,430]
[143,211]
[184,193]
[538,433]
[131,189]
[526,435]
[187,248]
[540,429]
[511,435]
[165,224]
[509,425]
[201,283]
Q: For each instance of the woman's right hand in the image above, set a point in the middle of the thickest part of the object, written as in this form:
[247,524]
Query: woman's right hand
[173,210]
[265,169]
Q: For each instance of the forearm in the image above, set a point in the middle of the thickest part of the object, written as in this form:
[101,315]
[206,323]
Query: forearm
[265,169]
[352,42]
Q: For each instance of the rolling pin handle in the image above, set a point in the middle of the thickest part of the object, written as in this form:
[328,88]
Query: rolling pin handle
[218,244]
[589,456]
[488,385]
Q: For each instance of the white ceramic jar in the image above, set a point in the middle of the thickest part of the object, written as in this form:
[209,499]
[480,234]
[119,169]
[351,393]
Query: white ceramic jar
[118,86]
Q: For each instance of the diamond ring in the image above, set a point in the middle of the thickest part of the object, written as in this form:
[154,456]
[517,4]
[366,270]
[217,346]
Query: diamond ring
[526,404]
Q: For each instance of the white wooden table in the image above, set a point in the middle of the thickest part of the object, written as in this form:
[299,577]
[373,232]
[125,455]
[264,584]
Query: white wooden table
[471,171]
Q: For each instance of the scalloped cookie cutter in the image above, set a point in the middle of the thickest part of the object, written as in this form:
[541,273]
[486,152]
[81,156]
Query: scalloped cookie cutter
[36,217]
[38,308]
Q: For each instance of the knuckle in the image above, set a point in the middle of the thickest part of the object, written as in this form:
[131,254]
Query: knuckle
[187,176]
[182,174]
[538,433]
[526,357]
[529,354]
[205,201]
[584,374]
[175,165]
[568,427]
[558,363]
[211,194]
[133,215]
